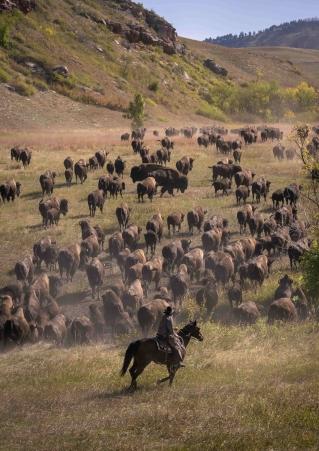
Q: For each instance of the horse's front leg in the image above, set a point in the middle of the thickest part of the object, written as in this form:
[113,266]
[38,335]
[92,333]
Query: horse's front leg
[171,376]
[160,381]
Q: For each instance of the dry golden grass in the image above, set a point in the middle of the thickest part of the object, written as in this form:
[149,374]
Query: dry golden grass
[243,388]
[49,151]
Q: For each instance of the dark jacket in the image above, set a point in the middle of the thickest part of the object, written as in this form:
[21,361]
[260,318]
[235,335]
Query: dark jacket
[166,326]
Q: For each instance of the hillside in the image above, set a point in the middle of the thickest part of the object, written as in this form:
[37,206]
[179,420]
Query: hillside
[284,65]
[100,53]
[299,34]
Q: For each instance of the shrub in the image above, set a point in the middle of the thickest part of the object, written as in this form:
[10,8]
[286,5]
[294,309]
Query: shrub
[4,76]
[310,268]
[211,112]
[7,20]
[306,96]
[23,88]
[136,111]
[154,86]
[4,35]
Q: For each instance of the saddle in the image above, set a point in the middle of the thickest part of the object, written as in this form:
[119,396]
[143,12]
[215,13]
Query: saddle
[162,345]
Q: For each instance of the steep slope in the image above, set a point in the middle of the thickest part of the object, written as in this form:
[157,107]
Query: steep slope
[299,34]
[102,52]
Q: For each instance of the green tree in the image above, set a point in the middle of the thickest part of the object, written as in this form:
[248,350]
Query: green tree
[306,96]
[136,111]
[310,272]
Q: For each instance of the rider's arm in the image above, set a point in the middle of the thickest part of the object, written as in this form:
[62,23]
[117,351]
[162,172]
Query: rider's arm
[170,328]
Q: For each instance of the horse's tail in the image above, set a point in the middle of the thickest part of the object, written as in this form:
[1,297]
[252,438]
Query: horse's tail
[130,353]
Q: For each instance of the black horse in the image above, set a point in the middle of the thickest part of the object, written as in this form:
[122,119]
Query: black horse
[146,351]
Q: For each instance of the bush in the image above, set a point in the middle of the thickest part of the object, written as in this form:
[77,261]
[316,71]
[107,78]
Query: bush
[306,96]
[136,111]
[23,88]
[4,35]
[4,76]
[261,98]
[211,112]
[154,86]
[7,21]
[310,268]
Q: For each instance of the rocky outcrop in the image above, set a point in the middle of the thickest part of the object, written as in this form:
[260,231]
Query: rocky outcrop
[162,28]
[218,70]
[25,6]
[148,28]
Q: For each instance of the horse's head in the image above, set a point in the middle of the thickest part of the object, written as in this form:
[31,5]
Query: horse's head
[192,330]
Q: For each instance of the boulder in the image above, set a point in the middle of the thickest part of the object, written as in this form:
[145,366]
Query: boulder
[218,70]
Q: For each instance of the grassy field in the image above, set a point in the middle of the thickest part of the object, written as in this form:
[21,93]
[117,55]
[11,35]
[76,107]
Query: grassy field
[243,388]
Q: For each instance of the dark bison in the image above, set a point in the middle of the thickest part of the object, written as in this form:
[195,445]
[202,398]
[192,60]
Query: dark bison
[96,200]
[80,171]
[60,206]
[279,152]
[25,157]
[10,190]
[69,261]
[195,218]
[68,163]
[185,165]
[223,185]
[282,310]
[123,215]
[95,271]
[260,188]
[119,166]
[175,220]
[174,252]
[292,193]
[101,157]
[147,187]
[242,194]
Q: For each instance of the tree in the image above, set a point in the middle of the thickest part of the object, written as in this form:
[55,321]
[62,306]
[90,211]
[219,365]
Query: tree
[310,194]
[310,272]
[301,137]
[136,111]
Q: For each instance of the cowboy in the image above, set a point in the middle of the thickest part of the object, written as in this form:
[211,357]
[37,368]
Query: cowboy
[167,333]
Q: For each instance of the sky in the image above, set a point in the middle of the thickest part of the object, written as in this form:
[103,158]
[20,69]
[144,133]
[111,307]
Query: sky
[199,19]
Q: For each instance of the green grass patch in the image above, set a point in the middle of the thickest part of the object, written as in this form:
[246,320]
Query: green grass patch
[211,112]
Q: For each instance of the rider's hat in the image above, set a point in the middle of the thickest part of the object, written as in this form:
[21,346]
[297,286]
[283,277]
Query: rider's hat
[168,310]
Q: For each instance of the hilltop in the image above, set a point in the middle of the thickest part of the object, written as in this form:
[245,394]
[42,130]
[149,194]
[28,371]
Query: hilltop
[302,34]
[95,56]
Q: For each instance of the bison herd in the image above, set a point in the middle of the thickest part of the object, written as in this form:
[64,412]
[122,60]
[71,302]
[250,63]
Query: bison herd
[199,258]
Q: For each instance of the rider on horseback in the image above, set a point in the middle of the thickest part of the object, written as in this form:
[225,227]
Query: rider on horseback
[167,334]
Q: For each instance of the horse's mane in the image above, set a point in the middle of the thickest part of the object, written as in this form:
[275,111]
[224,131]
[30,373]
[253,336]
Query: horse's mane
[185,330]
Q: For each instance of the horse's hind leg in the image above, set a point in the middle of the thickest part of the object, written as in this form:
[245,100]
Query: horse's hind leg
[135,371]
[171,376]
[133,385]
